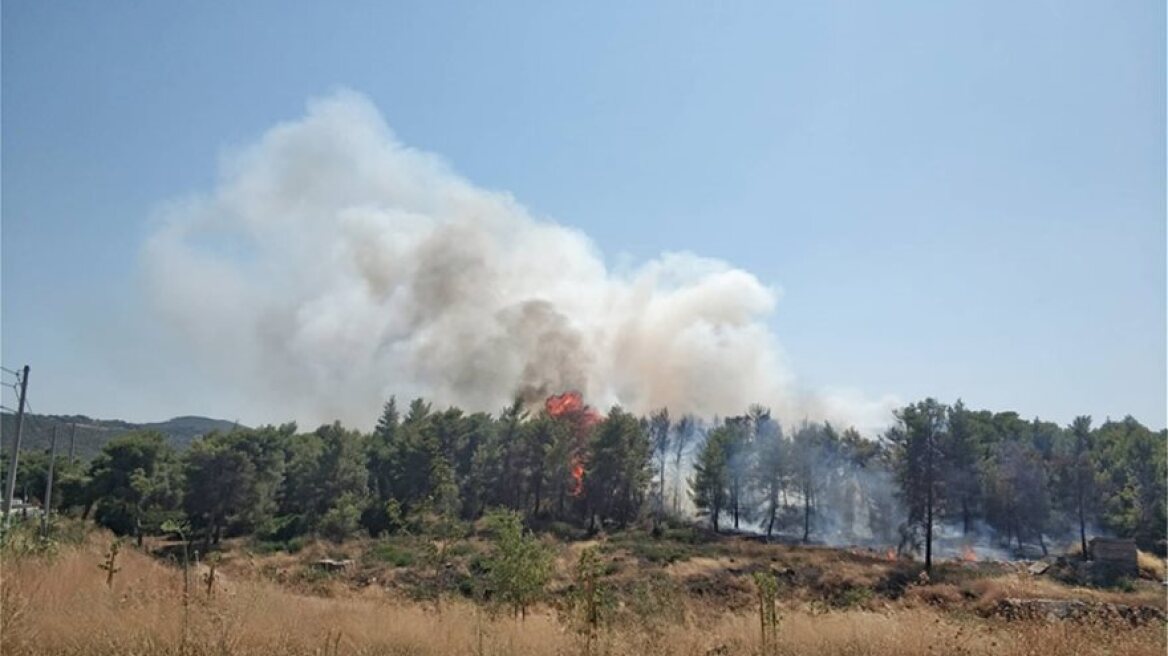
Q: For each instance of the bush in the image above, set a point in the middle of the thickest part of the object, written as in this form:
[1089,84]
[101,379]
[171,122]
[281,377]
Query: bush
[392,554]
[519,566]
[342,520]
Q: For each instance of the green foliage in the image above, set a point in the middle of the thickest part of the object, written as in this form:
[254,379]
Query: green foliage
[232,481]
[326,483]
[917,444]
[392,554]
[592,602]
[768,614]
[24,539]
[422,468]
[132,479]
[711,476]
[618,467]
[519,566]
[341,520]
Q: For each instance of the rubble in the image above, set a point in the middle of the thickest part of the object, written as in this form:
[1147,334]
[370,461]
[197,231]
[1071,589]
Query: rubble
[330,565]
[1038,567]
[1065,609]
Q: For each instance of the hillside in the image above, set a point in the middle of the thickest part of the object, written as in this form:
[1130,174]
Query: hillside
[687,592]
[93,433]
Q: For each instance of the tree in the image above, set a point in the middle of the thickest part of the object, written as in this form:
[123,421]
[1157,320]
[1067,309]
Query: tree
[962,456]
[536,441]
[1078,472]
[519,566]
[382,448]
[772,468]
[326,472]
[916,441]
[1019,499]
[711,476]
[1134,473]
[232,480]
[806,452]
[618,467]
[220,484]
[131,480]
[659,437]
[739,464]
[683,435]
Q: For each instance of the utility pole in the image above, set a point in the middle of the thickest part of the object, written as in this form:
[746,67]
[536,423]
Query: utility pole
[72,441]
[14,461]
[49,486]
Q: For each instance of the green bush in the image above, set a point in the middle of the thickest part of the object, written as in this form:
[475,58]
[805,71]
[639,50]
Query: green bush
[519,566]
[342,520]
[392,554]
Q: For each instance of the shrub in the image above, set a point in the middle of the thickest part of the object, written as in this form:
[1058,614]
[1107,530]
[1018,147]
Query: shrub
[342,520]
[392,554]
[519,566]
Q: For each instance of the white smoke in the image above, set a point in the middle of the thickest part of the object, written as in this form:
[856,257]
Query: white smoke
[334,266]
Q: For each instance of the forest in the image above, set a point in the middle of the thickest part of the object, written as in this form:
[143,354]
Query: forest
[1013,483]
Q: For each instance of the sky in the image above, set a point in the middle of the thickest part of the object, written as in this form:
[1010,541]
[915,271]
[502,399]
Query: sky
[957,200]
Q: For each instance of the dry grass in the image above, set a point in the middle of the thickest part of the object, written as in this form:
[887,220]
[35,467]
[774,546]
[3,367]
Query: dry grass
[1152,567]
[62,606]
[1022,586]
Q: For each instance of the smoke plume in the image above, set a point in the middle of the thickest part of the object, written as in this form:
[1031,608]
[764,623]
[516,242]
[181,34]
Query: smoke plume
[333,266]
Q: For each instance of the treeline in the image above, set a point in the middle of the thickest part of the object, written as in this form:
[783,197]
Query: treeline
[1027,480]
[1023,481]
[976,473]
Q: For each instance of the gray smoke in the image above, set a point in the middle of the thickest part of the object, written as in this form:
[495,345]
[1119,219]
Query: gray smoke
[333,266]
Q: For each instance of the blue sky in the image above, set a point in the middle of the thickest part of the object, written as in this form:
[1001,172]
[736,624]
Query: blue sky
[956,201]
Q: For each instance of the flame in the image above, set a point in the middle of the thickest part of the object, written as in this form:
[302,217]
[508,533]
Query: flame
[577,478]
[570,406]
[968,555]
[890,554]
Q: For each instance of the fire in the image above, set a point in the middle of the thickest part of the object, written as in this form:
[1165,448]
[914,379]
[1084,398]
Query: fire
[968,555]
[890,554]
[570,406]
[577,478]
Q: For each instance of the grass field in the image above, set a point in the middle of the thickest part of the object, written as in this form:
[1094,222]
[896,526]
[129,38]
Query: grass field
[677,595]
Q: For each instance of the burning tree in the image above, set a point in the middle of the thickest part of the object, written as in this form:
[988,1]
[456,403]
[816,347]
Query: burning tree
[571,448]
[606,460]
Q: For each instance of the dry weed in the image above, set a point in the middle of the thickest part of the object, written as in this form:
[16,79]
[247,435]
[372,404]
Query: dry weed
[61,606]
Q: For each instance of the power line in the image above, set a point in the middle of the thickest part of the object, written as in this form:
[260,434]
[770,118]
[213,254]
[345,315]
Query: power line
[14,462]
[9,371]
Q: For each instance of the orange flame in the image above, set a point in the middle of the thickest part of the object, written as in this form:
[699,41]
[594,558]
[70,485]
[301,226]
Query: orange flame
[890,554]
[577,478]
[968,555]
[569,406]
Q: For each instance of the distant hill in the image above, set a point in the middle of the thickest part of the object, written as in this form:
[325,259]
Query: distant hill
[92,434]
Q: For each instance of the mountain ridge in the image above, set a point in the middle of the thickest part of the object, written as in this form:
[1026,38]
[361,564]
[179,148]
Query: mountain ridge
[93,433]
